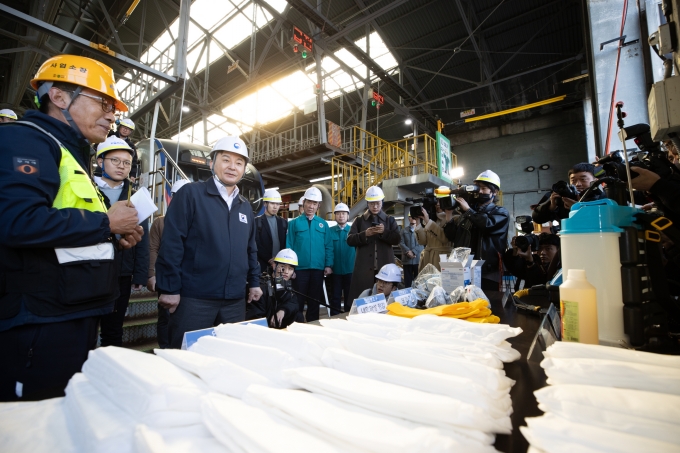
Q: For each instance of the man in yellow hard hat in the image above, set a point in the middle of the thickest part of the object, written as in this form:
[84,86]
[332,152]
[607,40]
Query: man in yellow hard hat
[59,244]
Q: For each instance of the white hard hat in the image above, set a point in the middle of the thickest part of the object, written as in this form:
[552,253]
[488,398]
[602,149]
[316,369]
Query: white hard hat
[390,273]
[127,122]
[374,193]
[313,194]
[490,177]
[302,201]
[8,113]
[272,195]
[178,185]
[231,144]
[113,143]
[340,207]
[287,256]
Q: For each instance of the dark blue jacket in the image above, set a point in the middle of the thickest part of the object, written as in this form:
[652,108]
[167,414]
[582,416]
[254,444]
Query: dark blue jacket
[264,238]
[31,280]
[135,261]
[207,251]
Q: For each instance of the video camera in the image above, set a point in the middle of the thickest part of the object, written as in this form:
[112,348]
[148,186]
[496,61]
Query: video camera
[466,192]
[526,238]
[427,201]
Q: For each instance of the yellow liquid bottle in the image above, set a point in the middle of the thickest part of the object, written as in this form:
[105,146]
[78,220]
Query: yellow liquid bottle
[578,305]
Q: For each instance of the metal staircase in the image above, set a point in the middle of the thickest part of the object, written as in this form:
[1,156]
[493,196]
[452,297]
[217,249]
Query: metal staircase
[378,160]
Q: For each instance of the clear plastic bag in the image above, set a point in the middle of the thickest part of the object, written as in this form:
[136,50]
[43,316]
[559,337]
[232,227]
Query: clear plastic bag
[420,284]
[437,297]
[460,254]
[434,282]
[473,292]
[457,295]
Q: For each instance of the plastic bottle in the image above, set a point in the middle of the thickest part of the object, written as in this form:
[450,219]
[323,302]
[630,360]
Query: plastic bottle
[578,305]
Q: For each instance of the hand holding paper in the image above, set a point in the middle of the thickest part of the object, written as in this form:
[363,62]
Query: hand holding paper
[143,203]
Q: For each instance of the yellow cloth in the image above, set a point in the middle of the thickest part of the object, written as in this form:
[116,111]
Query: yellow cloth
[487,320]
[475,311]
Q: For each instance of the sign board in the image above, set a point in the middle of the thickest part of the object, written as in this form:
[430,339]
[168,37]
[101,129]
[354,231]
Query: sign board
[379,98]
[371,304]
[466,113]
[403,296]
[444,161]
[303,39]
[192,337]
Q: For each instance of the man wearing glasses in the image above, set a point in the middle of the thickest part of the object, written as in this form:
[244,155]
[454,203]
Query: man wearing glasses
[115,157]
[59,243]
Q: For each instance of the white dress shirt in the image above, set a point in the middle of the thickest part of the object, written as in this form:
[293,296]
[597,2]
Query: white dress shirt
[223,192]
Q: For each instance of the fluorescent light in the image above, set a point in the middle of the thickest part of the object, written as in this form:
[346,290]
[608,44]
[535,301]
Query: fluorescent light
[408,121]
[457,172]
[273,188]
[186,109]
[325,178]
[408,135]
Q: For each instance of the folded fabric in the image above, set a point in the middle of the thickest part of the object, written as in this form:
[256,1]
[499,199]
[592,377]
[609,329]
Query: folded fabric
[395,400]
[370,330]
[218,374]
[148,440]
[36,427]
[555,434]
[241,427]
[96,424]
[142,384]
[503,351]
[436,324]
[644,414]
[571,350]
[610,373]
[469,353]
[462,389]
[269,362]
[309,330]
[306,350]
[379,319]
[493,380]
[351,429]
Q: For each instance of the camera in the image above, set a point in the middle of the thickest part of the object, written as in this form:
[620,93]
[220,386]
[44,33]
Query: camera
[526,224]
[526,241]
[428,202]
[565,190]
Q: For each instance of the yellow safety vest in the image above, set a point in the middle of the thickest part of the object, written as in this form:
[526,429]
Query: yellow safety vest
[76,189]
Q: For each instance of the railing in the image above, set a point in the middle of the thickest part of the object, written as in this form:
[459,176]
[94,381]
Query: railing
[425,148]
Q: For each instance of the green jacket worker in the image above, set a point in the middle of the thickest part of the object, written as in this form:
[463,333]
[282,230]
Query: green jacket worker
[343,259]
[208,256]
[310,238]
[59,244]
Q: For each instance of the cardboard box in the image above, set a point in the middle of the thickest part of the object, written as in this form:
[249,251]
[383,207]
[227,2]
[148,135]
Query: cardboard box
[476,273]
[455,274]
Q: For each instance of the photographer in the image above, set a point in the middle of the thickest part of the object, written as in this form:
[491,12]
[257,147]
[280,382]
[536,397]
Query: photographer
[534,269]
[556,204]
[278,304]
[373,234]
[483,227]
[664,191]
[432,236]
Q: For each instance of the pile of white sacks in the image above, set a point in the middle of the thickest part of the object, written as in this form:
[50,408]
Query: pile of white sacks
[373,383]
[604,399]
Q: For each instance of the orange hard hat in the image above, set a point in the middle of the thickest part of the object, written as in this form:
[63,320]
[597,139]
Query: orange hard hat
[82,71]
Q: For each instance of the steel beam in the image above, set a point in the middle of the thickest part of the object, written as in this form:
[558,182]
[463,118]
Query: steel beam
[163,94]
[444,75]
[364,20]
[486,84]
[77,41]
[180,62]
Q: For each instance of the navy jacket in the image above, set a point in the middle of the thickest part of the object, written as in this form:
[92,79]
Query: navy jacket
[264,239]
[31,228]
[207,251]
[135,261]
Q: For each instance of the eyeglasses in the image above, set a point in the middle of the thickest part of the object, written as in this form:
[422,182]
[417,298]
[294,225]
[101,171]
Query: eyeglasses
[108,106]
[117,162]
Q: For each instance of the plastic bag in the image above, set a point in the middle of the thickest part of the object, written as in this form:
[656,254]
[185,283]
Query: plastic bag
[473,293]
[434,282]
[420,283]
[457,295]
[437,297]
[460,254]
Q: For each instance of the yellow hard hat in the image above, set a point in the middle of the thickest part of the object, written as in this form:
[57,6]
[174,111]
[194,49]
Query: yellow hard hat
[82,71]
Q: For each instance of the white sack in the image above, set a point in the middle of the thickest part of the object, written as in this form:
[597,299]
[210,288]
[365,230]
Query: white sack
[470,353]
[395,400]
[241,427]
[220,375]
[371,330]
[148,440]
[268,362]
[554,434]
[610,373]
[36,427]
[571,350]
[503,350]
[462,389]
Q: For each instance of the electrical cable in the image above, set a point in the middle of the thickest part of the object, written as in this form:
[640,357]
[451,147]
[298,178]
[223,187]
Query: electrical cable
[616,79]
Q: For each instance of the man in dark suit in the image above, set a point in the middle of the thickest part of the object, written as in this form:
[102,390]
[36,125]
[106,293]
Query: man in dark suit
[270,230]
